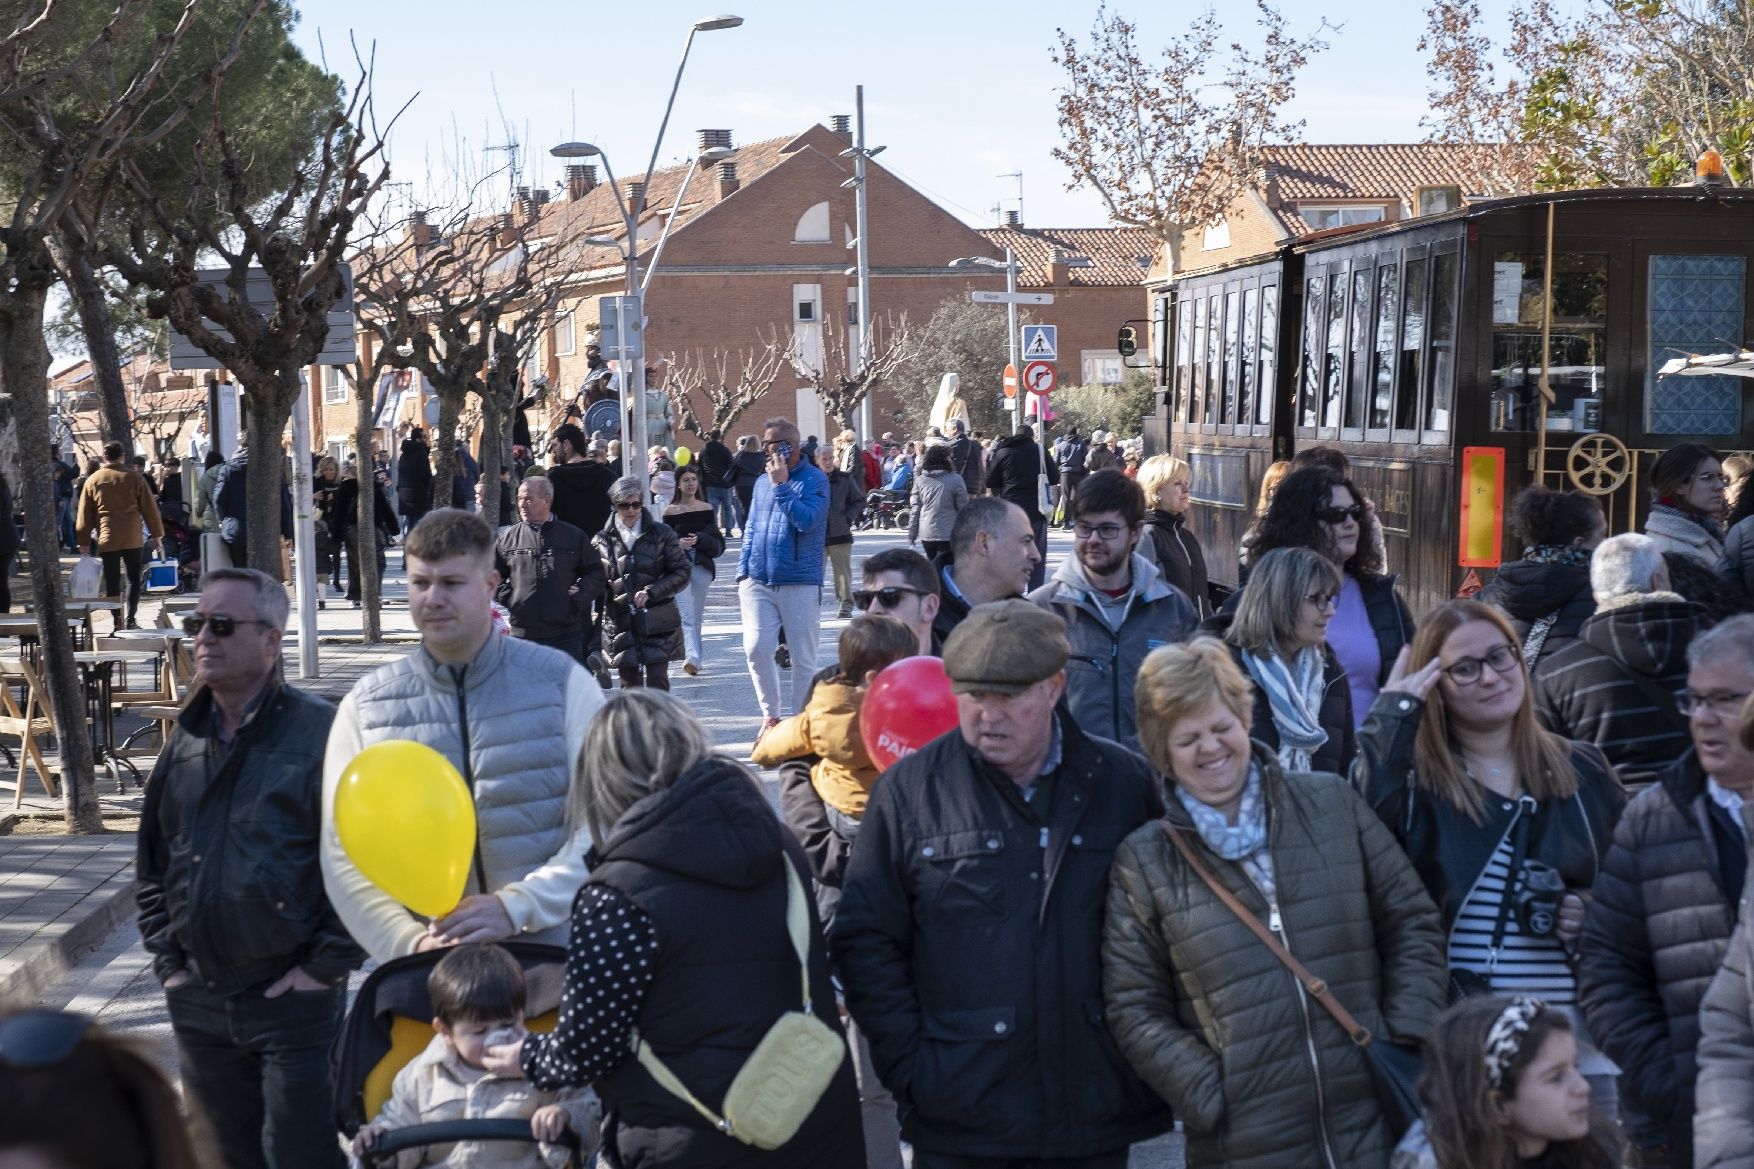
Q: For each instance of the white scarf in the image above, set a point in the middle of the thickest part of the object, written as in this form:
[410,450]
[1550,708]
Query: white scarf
[1294,694]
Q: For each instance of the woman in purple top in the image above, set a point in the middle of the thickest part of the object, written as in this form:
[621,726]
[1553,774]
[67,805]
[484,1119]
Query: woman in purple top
[1319,509]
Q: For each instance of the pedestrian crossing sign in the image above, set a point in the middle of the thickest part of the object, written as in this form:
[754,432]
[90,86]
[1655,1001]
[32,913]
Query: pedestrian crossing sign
[1040,343]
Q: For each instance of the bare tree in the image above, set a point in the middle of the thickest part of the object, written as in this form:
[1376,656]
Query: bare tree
[1164,147]
[295,240]
[838,378]
[729,383]
[48,165]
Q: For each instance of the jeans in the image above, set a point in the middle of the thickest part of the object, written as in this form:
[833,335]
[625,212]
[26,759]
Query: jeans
[766,609]
[745,497]
[260,1070]
[64,525]
[124,562]
[692,602]
[841,557]
[724,508]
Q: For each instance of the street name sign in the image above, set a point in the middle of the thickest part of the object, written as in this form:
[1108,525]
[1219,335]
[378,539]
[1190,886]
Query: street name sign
[1011,297]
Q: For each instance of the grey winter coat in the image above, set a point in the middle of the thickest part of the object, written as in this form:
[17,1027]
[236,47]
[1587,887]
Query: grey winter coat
[1106,658]
[938,497]
[1261,1077]
[1723,1122]
[1736,565]
[1674,533]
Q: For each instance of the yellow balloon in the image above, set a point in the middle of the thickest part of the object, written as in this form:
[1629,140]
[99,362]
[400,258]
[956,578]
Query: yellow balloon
[683,456]
[406,819]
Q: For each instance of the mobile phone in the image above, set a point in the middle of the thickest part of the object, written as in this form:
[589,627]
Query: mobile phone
[783,450]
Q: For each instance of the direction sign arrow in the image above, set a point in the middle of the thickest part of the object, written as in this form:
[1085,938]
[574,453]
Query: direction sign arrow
[1011,297]
[1040,377]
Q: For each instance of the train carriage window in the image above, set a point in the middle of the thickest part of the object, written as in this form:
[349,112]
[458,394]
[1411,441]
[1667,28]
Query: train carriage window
[1267,370]
[1695,305]
[1232,333]
[1310,377]
[1197,367]
[1358,353]
[1382,371]
[1214,357]
[1334,364]
[1245,361]
[1412,340]
[1576,353]
[1440,344]
[1184,357]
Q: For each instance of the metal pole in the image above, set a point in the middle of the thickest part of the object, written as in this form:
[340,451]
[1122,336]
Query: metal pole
[304,530]
[675,208]
[861,204]
[1011,334]
[668,106]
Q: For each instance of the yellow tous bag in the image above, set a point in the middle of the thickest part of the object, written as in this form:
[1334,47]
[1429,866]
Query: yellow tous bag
[779,1084]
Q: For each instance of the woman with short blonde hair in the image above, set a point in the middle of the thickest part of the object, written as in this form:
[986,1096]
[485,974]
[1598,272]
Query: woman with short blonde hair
[1167,542]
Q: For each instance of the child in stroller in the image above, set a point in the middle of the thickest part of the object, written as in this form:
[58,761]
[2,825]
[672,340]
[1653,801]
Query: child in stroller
[443,1107]
[183,544]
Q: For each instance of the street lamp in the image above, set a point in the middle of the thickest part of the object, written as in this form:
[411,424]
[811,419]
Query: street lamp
[710,155]
[860,155]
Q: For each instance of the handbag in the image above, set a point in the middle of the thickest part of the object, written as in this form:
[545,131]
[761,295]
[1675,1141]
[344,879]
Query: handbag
[778,1086]
[1394,1067]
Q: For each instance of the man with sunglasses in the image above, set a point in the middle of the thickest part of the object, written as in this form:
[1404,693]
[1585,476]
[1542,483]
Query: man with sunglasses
[252,955]
[1116,605]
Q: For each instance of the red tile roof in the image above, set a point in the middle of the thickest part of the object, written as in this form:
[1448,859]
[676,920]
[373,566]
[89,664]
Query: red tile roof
[1117,255]
[1347,173]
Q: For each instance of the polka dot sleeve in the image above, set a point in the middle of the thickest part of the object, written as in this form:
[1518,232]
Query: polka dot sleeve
[609,966]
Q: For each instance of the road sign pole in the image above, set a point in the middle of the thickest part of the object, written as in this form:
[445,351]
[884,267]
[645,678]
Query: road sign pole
[304,529]
[1011,329]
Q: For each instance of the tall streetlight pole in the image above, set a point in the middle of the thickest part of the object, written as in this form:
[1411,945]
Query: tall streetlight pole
[862,209]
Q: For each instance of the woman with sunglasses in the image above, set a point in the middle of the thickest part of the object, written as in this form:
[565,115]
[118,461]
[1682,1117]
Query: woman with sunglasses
[1318,509]
[1687,492]
[1278,637]
[646,568]
[1505,822]
[697,532]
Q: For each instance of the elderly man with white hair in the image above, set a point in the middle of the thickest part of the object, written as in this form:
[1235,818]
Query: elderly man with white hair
[1615,685]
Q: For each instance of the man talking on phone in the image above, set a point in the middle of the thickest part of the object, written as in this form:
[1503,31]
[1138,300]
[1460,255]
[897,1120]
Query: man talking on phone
[779,570]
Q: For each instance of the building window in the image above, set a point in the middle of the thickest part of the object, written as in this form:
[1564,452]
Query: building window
[806,311]
[813,226]
[334,386]
[1437,200]
[1102,367]
[563,335]
[1216,236]
[1577,348]
[1695,302]
[1322,218]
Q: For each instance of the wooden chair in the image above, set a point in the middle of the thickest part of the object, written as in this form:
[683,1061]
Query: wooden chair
[37,718]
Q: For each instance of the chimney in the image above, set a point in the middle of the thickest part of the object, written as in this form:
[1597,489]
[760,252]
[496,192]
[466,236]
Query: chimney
[843,125]
[636,198]
[1014,219]
[526,204]
[1270,186]
[541,195]
[581,177]
[508,229]
[710,139]
[1059,271]
[728,178]
[420,229]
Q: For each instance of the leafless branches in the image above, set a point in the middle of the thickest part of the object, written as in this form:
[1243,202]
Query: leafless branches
[730,383]
[838,377]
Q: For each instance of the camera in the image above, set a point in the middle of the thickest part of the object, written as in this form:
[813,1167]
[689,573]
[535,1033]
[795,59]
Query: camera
[1540,889]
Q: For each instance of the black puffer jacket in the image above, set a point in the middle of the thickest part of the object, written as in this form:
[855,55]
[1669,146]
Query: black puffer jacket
[1447,848]
[1589,691]
[1333,756]
[1656,932]
[581,493]
[1015,471]
[1177,554]
[656,564]
[971,955]
[414,478]
[846,503]
[1390,619]
[1528,590]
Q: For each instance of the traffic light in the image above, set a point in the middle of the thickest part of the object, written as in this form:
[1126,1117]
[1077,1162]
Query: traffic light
[1128,341]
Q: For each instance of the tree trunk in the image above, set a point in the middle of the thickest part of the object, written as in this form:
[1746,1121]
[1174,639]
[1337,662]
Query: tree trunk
[24,369]
[93,306]
[270,410]
[444,443]
[495,435]
[365,563]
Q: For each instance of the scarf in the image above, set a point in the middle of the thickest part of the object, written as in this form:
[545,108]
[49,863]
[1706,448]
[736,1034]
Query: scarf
[1567,554]
[1294,695]
[1670,506]
[1245,841]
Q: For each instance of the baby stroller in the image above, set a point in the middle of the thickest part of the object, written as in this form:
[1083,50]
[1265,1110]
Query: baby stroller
[183,544]
[390,1023]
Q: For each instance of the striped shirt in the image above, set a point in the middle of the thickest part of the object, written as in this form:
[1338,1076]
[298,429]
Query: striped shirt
[1526,965]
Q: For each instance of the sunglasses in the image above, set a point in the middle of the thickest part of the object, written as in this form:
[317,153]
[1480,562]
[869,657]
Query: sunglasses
[222,625]
[1339,515]
[40,1038]
[629,505]
[888,597]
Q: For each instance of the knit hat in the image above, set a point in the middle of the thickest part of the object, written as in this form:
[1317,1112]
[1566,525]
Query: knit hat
[1005,648]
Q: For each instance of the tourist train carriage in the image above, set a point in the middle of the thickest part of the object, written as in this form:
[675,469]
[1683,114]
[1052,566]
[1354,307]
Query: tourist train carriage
[1416,348]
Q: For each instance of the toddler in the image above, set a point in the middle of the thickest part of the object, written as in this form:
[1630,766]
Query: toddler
[829,725]
[477,994]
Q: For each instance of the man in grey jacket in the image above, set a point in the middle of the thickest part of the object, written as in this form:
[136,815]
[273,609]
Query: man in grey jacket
[1116,605]
[509,715]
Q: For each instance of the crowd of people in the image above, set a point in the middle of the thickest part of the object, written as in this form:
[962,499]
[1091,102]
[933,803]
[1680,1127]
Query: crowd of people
[1188,856]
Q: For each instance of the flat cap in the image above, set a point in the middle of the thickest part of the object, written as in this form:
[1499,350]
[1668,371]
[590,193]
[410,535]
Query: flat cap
[1005,647]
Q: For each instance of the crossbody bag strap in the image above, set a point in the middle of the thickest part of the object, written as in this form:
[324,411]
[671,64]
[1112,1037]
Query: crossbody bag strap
[1519,851]
[798,926]
[1318,989]
[1537,638]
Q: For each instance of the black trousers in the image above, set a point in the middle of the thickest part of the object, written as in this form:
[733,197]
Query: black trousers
[124,562]
[925,1160]
[934,548]
[657,676]
[350,541]
[572,644]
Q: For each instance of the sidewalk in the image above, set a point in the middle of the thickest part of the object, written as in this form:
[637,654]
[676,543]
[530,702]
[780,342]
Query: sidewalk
[60,895]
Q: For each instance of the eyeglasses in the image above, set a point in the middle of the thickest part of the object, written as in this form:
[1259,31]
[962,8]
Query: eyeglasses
[1104,532]
[1712,478]
[1339,515]
[629,505]
[1323,601]
[1723,705]
[1502,658]
[40,1038]
[889,597]
[222,625]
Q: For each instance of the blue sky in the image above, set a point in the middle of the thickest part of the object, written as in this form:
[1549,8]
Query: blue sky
[959,92]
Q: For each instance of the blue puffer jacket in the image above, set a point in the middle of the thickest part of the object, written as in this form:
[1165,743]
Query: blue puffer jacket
[788,526]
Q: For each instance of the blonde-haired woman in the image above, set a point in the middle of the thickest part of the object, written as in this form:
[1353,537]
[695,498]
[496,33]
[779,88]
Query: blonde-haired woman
[1258,1073]
[680,936]
[1167,484]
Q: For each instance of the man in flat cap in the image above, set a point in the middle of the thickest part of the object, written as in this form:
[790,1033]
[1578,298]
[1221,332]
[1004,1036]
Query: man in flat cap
[968,936]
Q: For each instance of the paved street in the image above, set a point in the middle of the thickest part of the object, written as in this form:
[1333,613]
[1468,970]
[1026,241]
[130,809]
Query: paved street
[114,981]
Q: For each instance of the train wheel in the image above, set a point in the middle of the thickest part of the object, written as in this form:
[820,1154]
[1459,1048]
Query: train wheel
[1598,464]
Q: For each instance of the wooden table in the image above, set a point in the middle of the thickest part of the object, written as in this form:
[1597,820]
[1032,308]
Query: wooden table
[96,676]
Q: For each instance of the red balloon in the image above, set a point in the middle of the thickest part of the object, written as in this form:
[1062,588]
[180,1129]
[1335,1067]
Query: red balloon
[908,705]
